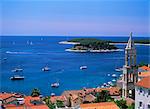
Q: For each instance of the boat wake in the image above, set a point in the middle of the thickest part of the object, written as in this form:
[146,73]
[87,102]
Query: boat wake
[10,52]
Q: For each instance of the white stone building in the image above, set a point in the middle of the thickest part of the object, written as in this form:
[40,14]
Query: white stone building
[142,94]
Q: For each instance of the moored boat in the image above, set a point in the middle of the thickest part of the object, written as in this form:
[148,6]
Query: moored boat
[114,75]
[45,69]
[83,67]
[119,69]
[113,80]
[17,70]
[52,94]
[17,77]
[55,85]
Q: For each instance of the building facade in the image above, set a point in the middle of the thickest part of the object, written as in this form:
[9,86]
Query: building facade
[142,94]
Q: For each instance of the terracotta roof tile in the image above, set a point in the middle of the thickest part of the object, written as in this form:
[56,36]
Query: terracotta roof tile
[55,98]
[5,95]
[103,105]
[112,90]
[145,82]
[28,104]
[89,98]
[145,68]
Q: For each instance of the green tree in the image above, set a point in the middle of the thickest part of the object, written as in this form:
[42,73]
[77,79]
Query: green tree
[59,104]
[49,103]
[122,104]
[35,92]
[103,96]
[132,106]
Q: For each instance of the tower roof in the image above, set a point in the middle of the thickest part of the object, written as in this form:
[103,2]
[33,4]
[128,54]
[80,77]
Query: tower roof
[130,44]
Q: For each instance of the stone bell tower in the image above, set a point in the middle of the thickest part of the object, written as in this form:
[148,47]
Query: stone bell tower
[130,74]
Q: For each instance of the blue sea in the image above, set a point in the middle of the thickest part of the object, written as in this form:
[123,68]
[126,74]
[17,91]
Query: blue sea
[65,66]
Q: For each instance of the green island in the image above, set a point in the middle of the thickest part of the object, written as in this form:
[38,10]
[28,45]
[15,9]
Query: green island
[90,44]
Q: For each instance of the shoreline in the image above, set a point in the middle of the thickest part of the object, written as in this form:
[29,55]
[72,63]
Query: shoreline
[126,43]
[69,43]
[95,51]
[117,43]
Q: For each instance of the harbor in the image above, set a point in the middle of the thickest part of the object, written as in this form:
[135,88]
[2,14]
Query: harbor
[54,63]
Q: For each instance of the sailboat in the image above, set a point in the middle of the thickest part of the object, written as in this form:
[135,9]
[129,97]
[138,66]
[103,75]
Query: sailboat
[31,43]
[28,42]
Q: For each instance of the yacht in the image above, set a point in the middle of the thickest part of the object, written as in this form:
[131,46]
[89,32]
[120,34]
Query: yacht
[55,85]
[17,77]
[52,94]
[109,82]
[45,69]
[108,74]
[119,69]
[17,70]
[83,67]
[114,80]
[102,86]
[114,75]
[31,43]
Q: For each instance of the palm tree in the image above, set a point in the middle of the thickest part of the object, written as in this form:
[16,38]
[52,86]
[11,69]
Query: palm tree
[35,92]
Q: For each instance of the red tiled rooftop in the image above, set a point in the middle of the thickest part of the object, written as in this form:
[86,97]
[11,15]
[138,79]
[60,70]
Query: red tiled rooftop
[5,95]
[103,105]
[28,104]
[55,98]
[144,68]
[112,90]
[145,82]
[28,107]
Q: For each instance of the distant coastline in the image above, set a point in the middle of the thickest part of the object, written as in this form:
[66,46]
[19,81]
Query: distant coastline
[124,43]
[95,51]
[90,45]
[113,43]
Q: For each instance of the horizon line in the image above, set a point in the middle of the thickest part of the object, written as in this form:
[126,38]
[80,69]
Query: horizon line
[76,35]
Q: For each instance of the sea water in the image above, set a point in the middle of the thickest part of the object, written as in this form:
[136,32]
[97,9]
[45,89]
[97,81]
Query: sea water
[32,53]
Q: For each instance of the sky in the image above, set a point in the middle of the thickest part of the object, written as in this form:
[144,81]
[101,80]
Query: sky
[74,17]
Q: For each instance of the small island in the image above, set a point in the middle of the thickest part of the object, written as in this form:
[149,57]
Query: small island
[91,45]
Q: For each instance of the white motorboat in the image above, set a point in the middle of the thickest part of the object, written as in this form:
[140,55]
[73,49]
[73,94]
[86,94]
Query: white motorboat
[108,74]
[109,82]
[17,70]
[55,85]
[17,77]
[119,69]
[52,94]
[45,69]
[83,67]
[114,80]
[102,86]
[114,75]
